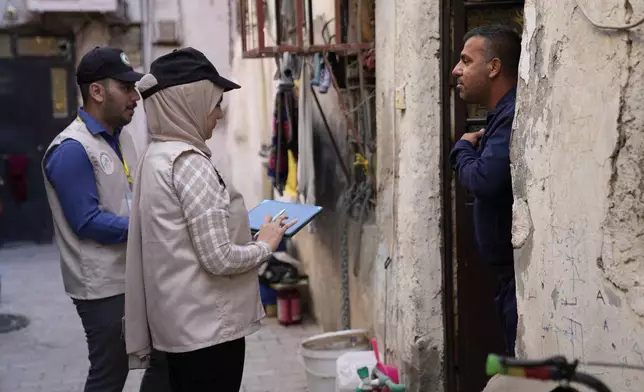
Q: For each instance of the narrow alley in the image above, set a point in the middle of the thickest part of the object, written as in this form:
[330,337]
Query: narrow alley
[50,354]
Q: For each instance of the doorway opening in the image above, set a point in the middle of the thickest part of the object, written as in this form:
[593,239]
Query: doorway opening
[37,101]
[472,328]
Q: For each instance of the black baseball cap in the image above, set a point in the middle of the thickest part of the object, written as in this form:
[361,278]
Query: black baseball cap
[183,66]
[103,63]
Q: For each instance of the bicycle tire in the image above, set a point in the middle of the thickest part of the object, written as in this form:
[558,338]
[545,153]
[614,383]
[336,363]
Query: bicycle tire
[590,381]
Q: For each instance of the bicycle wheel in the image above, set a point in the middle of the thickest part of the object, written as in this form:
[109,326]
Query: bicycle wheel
[590,381]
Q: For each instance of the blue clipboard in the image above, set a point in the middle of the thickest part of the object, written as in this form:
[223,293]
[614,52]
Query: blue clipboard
[303,212]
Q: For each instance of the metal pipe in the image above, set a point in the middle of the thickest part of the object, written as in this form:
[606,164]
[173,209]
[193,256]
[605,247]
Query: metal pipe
[310,16]
[345,49]
[344,273]
[280,127]
[259,5]
[299,9]
[147,19]
[278,22]
[338,23]
[366,135]
[243,21]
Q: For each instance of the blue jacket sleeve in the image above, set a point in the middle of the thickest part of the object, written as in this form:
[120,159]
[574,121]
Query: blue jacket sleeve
[487,174]
[70,172]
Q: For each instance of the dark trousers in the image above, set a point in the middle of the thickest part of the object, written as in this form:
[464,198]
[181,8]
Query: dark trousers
[108,369]
[506,306]
[217,368]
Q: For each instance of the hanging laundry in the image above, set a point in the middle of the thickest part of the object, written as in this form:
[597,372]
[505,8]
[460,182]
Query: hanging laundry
[17,167]
[321,74]
[285,136]
[325,80]
[305,164]
[317,68]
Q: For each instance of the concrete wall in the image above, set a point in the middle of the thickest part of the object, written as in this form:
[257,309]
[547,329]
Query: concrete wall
[204,25]
[578,162]
[409,310]
[249,118]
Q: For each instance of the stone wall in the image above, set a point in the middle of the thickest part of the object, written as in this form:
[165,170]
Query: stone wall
[578,162]
[409,314]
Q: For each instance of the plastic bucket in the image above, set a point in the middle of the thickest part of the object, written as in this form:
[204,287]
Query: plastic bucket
[319,354]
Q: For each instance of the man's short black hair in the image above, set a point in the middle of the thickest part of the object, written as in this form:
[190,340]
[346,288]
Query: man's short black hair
[84,90]
[503,43]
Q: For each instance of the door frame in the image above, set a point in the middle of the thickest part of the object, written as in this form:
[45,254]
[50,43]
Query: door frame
[456,219]
[45,134]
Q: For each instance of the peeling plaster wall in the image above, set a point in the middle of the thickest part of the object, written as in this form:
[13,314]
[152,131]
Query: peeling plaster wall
[409,314]
[578,162]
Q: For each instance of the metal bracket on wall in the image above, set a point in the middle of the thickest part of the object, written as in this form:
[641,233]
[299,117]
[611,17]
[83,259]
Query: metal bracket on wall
[388,262]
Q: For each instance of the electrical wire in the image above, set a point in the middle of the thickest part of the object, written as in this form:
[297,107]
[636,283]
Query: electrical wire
[612,365]
[584,10]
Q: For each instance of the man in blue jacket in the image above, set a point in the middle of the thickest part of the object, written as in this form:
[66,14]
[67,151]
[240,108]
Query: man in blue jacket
[88,181]
[487,74]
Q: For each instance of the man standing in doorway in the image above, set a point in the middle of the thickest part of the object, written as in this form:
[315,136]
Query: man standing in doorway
[487,74]
[87,170]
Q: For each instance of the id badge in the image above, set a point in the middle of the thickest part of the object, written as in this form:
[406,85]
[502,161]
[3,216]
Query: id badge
[128,198]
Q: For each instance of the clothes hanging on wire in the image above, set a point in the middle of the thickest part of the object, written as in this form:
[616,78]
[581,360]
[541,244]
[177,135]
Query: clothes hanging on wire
[305,164]
[285,134]
[321,75]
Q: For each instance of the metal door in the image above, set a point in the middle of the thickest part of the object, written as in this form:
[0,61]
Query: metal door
[473,328]
[37,101]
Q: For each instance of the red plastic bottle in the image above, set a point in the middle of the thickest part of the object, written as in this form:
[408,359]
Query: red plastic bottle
[289,307]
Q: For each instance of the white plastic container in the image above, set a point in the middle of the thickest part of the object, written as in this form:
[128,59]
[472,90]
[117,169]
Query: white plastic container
[320,353]
[346,369]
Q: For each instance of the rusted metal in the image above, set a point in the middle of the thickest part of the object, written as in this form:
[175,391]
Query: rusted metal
[489,4]
[271,51]
[299,11]
[259,8]
[310,18]
[251,33]
[242,24]
[278,22]
[338,22]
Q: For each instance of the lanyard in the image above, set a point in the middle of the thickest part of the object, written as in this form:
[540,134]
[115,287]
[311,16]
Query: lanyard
[126,168]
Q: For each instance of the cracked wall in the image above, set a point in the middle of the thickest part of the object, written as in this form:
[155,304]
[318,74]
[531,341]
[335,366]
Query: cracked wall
[409,314]
[578,176]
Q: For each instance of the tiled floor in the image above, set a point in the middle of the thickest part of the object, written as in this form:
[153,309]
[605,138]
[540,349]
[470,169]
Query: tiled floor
[50,355]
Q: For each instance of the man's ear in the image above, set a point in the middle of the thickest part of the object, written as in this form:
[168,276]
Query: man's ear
[494,68]
[97,91]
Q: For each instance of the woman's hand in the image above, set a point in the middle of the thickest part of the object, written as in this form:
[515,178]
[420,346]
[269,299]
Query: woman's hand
[272,232]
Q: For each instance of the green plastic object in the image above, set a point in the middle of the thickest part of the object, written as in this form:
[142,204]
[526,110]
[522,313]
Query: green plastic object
[395,387]
[493,365]
[363,372]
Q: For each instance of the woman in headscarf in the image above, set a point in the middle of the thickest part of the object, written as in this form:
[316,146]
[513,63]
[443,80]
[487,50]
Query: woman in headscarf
[192,288]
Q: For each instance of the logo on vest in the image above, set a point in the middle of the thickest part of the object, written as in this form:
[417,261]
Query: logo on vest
[106,163]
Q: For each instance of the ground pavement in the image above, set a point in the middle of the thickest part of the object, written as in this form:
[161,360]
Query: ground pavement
[50,354]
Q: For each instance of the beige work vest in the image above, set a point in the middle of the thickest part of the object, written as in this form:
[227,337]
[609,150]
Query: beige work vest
[189,308]
[91,270]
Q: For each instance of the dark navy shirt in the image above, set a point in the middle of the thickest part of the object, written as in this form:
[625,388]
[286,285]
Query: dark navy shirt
[71,174]
[486,173]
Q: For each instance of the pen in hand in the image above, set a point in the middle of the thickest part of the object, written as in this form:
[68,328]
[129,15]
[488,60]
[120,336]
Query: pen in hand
[272,220]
